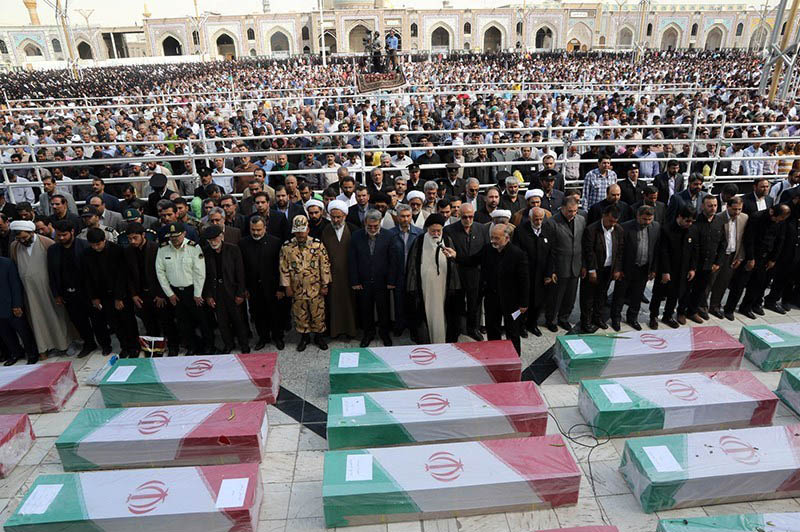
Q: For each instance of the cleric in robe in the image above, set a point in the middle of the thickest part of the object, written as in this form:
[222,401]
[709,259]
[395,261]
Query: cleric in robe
[432,283]
[47,319]
[341,303]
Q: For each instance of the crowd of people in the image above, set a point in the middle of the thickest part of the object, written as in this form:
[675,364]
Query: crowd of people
[365,217]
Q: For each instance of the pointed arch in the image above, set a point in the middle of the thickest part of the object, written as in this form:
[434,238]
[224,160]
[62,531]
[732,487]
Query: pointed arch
[280,40]
[670,38]
[225,43]
[355,38]
[625,37]
[171,45]
[494,37]
[440,43]
[85,50]
[544,37]
[759,37]
[30,49]
[715,37]
[581,33]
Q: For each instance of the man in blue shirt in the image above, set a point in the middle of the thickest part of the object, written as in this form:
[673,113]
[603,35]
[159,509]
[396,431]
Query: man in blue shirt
[392,43]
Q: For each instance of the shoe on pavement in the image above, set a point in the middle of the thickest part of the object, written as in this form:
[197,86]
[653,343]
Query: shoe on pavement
[304,341]
[634,324]
[366,340]
[696,318]
[748,313]
[535,330]
[279,344]
[653,323]
[387,340]
[729,315]
[716,312]
[588,328]
[615,324]
[601,324]
[552,327]
[567,326]
[681,319]
[759,310]
[776,307]
[475,334]
[671,322]
[321,343]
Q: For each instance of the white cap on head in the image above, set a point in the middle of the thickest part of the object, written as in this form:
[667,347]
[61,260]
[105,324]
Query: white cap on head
[338,205]
[315,203]
[538,192]
[415,194]
[501,213]
[22,225]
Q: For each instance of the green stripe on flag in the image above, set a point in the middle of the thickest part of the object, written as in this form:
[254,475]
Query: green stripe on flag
[579,365]
[619,419]
[341,498]
[660,492]
[142,386]
[376,427]
[85,423]
[371,373]
[66,513]
[742,522]
[789,389]
[770,356]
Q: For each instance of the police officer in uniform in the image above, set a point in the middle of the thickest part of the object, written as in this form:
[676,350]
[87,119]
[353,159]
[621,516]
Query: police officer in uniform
[181,272]
[305,275]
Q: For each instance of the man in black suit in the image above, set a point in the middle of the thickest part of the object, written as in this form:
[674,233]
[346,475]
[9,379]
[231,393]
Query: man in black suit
[787,267]
[638,266]
[758,200]
[613,195]
[709,242]
[689,196]
[674,255]
[284,207]
[268,304]
[277,225]
[530,238]
[670,182]
[224,289]
[631,188]
[454,185]
[511,199]
[149,300]
[505,284]
[469,238]
[472,194]
[763,245]
[728,191]
[373,270]
[651,199]
[602,244]
[358,211]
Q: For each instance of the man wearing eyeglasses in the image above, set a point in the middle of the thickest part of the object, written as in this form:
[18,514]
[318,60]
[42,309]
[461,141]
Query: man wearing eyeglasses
[468,240]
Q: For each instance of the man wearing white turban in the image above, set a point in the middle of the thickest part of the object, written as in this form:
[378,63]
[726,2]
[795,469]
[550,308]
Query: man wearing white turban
[47,319]
[336,239]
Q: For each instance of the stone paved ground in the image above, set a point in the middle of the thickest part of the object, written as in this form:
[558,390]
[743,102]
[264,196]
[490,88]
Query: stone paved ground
[292,469]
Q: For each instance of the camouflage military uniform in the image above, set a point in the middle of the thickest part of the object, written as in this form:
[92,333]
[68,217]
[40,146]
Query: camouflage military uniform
[306,268]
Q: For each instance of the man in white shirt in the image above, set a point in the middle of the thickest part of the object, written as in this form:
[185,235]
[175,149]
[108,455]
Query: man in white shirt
[222,176]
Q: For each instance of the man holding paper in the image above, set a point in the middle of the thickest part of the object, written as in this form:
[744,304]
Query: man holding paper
[504,284]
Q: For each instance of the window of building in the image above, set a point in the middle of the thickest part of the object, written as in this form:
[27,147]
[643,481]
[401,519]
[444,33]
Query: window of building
[414,29]
[56,46]
[694,30]
[304,33]
[649,29]
[467,28]
[739,29]
[251,34]
[196,38]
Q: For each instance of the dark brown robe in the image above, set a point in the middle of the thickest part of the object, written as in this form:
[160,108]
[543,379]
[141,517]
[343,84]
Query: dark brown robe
[341,303]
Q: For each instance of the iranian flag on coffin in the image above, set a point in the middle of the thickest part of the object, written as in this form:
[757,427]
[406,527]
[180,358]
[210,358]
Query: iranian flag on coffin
[219,378]
[435,414]
[180,499]
[787,522]
[645,353]
[677,403]
[584,529]
[423,366]
[446,480]
[789,389]
[717,467]
[16,439]
[772,347]
[36,388]
[177,435]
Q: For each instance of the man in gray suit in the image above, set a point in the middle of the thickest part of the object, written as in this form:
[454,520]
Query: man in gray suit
[735,221]
[49,186]
[638,266]
[565,232]
[108,217]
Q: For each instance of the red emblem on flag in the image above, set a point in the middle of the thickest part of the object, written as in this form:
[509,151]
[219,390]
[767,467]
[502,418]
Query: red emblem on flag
[681,390]
[433,404]
[444,466]
[653,340]
[739,450]
[199,367]
[422,356]
[147,497]
[153,422]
